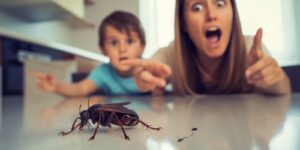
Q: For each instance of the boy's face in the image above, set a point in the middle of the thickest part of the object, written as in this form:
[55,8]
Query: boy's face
[119,46]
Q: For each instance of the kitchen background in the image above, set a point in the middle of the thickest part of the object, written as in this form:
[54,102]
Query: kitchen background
[48,30]
[279,18]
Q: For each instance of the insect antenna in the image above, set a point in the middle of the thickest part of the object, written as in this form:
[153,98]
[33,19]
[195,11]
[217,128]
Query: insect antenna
[89,99]
[79,109]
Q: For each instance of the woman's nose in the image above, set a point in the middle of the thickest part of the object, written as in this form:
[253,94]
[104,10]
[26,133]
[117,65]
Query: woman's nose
[211,13]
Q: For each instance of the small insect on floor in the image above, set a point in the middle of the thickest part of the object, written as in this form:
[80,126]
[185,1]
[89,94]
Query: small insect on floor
[193,130]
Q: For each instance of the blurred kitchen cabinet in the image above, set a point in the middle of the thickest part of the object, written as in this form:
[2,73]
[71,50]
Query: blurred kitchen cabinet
[44,10]
[13,54]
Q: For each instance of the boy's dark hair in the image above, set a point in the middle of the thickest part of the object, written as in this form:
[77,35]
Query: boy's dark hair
[122,21]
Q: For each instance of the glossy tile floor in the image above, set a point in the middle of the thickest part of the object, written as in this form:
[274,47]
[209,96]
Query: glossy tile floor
[238,122]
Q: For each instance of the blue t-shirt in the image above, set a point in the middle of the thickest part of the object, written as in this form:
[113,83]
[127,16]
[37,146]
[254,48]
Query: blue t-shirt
[110,82]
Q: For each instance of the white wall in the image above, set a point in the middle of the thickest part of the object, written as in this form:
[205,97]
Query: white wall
[157,17]
[278,19]
[297,9]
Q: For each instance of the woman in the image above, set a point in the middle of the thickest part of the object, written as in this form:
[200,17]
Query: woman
[211,55]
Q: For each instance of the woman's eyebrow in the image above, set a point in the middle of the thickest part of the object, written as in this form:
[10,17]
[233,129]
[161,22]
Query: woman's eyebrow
[188,2]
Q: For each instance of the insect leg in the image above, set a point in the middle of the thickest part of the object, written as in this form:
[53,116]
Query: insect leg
[98,123]
[88,125]
[146,125]
[119,124]
[63,133]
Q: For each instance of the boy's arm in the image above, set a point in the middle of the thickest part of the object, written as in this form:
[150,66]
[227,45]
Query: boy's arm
[81,88]
[48,83]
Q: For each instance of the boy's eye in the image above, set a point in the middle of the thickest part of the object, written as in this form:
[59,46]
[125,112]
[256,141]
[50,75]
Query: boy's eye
[130,41]
[197,7]
[220,3]
[114,42]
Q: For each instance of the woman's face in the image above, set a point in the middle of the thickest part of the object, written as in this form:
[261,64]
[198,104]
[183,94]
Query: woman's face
[209,24]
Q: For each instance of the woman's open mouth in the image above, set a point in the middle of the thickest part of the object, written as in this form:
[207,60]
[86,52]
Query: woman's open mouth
[213,36]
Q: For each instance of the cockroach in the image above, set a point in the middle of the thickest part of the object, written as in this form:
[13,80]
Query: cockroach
[105,115]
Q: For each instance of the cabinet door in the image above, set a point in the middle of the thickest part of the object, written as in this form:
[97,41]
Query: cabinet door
[13,54]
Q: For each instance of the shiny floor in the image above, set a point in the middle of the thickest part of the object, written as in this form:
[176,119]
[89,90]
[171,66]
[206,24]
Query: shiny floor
[229,122]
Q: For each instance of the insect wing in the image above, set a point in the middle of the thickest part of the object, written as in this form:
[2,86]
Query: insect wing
[117,109]
[117,104]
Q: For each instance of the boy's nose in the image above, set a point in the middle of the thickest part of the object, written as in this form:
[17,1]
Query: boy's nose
[211,13]
[122,47]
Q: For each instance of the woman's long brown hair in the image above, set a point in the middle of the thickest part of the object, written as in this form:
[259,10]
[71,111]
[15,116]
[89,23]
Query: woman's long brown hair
[187,74]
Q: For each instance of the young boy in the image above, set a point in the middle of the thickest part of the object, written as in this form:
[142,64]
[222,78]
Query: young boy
[121,37]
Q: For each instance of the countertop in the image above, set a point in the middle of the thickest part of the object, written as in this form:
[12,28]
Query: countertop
[224,122]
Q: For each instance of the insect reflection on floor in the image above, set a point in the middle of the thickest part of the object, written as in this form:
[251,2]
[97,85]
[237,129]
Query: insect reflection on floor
[105,115]
[193,130]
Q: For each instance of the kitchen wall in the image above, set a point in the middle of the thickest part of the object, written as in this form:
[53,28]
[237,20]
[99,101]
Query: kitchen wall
[297,9]
[61,32]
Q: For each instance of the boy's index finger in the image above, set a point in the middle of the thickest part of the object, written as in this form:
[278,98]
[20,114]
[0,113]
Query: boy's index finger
[166,70]
[133,62]
[152,66]
[139,63]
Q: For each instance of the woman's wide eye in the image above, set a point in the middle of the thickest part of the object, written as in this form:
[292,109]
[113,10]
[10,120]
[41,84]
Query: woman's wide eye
[197,7]
[220,3]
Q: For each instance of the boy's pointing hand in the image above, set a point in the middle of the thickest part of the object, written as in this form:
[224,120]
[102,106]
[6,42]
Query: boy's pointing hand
[149,74]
